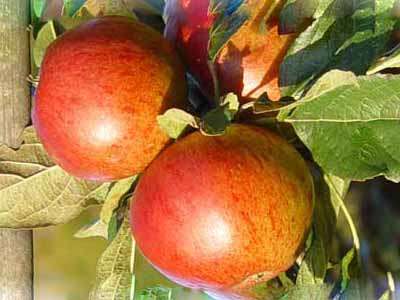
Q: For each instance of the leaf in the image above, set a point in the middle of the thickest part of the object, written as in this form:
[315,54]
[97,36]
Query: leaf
[114,268]
[391,61]
[68,23]
[96,229]
[352,130]
[38,7]
[109,222]
[231,104]
[49,197]
[347,35]
[72,6]
[263,105]
[308,292]
[358,289]
[156,293]
[175,122]
[35,193]
[105,7]
[338,190]
[327,205]
[216,121]
[294,13]
[146,7]
[386,295]
[29,159]
[111,213]
[117,191]
[45,37]
[231,15]
[328,82]
[346,261]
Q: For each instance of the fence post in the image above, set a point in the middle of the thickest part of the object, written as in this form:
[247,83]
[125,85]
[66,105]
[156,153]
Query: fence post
[16,254]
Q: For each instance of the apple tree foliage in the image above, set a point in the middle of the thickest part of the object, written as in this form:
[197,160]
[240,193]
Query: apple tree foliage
[344,110]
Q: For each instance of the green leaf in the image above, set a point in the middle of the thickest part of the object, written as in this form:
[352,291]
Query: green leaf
[68,23]
[307,292]
[231,15]
[231,104]
[358,289]
[295,12]
[342,29]
[390,61]
[45,37]
[175,122]
[35,193]
[96,229]
[352,131]
[105,7]
[338,188]
[386,296]
[345,264]
[38,7]
[146,7]
[156,293]
[216,121]
[314,266]
[72,6]
[114,268]
[328,82]
[112,227]
[149,283]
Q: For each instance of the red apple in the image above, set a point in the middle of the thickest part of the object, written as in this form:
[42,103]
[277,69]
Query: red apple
[247,65]
[101,88]
[223,213]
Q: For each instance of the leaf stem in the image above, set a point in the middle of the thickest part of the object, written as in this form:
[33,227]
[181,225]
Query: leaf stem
[349,219]
[391,284]
[132,269]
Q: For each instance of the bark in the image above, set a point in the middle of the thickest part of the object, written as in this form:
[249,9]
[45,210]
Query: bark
[16,267]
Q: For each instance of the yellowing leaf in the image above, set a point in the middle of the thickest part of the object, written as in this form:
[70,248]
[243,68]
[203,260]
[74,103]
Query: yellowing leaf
[34,192]
[175,121]
[106,7]
[114,197]
[46,36]
[98,228]
[49,197]
[114,268]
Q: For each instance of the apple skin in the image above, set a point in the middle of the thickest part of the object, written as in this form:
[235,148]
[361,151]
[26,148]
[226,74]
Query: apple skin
[101,88]
[222,213]
[247,65]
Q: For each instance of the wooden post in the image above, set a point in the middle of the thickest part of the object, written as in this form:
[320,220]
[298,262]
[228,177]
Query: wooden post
[16,266]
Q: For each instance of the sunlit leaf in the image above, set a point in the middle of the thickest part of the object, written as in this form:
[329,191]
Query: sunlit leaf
[114,268]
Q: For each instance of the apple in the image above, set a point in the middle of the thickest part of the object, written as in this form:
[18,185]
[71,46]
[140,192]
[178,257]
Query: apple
[102,85]
[224,213]
[247,65]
